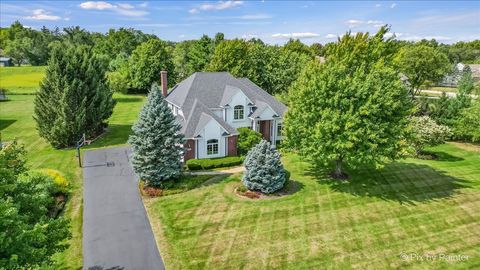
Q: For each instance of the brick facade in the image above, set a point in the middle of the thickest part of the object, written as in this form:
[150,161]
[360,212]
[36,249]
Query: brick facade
[189,150]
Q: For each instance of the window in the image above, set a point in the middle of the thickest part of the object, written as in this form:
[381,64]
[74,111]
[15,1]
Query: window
[238,112]
[212,147]
[279,129]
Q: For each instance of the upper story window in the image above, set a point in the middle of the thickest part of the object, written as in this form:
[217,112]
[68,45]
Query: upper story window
[212,147]
[238,112]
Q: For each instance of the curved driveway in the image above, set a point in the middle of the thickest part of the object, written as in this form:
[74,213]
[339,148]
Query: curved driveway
[116,230]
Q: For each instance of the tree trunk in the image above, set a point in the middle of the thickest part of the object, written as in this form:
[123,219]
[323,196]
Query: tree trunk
[338,173]
[338,167]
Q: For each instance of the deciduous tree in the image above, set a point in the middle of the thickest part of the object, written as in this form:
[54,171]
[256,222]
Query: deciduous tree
[145,64]
[353,108]
[421,63]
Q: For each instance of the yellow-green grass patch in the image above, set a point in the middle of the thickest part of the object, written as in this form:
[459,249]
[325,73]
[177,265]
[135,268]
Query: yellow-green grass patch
[21,80]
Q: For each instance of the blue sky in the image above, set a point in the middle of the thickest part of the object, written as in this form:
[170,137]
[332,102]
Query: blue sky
[272,21]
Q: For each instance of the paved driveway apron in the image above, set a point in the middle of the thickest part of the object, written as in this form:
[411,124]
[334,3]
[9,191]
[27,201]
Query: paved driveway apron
[116,231]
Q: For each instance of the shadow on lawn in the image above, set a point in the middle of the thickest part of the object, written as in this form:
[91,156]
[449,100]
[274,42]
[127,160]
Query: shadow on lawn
[406,183]
[443,156]
[115,135]
[128,99]
[4,123]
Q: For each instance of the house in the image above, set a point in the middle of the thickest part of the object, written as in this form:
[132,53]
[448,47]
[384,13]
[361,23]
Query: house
[210,106]
[6,62]
[451,80]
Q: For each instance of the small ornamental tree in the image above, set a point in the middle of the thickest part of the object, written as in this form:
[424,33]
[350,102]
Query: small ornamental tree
[264,171]
[427,133]
[247,139]
[73,98]
[156,142]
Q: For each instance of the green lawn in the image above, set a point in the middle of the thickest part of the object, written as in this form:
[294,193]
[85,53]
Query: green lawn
[16,122]
[21,80]
[413,206]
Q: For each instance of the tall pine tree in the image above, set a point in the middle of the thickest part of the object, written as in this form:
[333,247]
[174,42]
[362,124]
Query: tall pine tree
[264,170]
[73,98]
[156,142]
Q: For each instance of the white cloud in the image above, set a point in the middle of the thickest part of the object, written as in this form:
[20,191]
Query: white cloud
[98,5]
[378,5]
[143,5]
[221,5]
[354,23]
[122,9]
[397,35]
[417,38]
[377,24]
[330,36]
[393,5]
[42,15]
[301,35]
[125,6]
[249,36]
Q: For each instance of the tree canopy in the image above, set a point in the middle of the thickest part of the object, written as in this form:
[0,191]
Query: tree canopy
[145,64]
[353,108]
[421,63]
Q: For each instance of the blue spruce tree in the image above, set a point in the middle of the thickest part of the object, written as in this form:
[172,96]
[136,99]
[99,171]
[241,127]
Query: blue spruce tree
[156,142]
[264,170]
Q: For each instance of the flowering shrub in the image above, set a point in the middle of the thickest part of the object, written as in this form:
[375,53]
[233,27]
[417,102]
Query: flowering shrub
[61,184]
[426,132]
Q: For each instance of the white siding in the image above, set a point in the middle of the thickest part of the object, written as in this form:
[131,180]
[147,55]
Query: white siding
[212,130]
[238,99]
[267,114]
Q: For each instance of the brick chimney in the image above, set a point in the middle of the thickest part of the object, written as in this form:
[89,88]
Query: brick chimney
[164,83]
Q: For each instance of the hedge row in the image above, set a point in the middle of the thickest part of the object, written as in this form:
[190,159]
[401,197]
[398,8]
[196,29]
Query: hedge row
[211,163]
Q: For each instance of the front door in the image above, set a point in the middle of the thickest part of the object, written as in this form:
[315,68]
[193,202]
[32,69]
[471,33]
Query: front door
[265,129]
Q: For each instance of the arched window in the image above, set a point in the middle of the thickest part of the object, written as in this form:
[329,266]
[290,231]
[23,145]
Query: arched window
[238,112]
[212,147]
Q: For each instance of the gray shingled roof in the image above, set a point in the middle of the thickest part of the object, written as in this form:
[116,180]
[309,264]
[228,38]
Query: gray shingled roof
[203,91]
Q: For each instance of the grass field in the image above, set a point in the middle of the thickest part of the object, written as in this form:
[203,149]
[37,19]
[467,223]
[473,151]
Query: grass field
[409,207]
[16,122]
[21,80]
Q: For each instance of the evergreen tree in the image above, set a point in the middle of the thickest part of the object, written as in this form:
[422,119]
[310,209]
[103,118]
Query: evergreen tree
[264,170]
[73,98]
[156,142]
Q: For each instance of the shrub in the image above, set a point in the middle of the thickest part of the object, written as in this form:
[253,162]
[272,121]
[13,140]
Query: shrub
[61,184]
[211,163]
[427,132]
[264,170]
[247,139]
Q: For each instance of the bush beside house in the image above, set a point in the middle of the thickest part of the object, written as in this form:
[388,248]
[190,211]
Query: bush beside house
[211,163]
[247,139]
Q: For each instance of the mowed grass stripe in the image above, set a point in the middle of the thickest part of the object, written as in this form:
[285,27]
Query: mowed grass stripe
[411,206]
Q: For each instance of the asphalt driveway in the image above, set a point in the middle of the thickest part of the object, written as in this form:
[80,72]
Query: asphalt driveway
[116,230]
